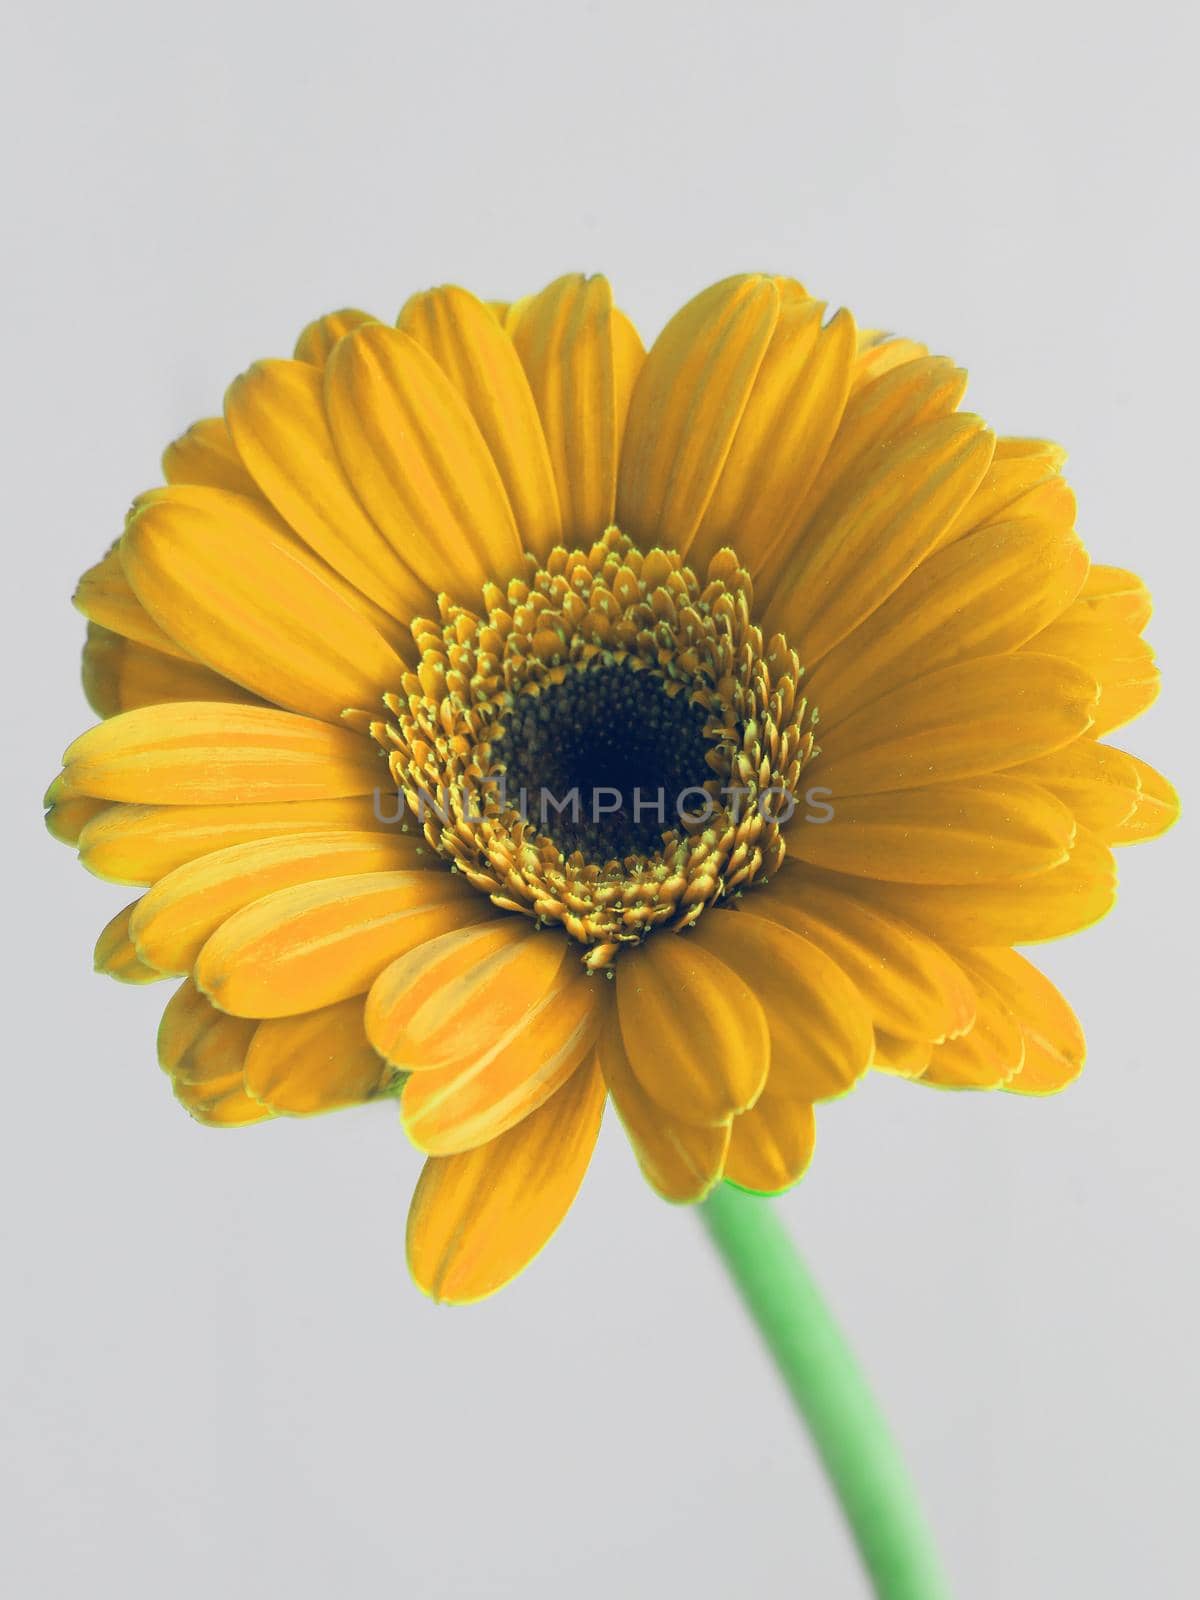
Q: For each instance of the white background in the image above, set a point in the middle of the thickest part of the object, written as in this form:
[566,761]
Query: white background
[218,1380]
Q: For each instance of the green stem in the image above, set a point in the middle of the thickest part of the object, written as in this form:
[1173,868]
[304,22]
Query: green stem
[831,1394]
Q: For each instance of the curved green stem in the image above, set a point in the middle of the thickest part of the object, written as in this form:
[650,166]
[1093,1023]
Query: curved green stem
[831,1394]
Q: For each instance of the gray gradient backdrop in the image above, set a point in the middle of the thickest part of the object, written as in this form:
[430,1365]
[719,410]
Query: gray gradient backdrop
[217,1378]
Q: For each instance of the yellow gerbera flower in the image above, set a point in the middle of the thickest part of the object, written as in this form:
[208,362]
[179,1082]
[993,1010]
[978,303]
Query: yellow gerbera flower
[420,579]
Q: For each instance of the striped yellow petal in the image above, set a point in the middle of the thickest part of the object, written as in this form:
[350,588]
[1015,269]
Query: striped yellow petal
[121,675]
[695,1033]
[687,404]
[206,454]
[865,542]
[678,1159]
[820,1028]
[982,595]
[909,984]
[182,911]
[196,753]
[581,358]
[105,597]
[140,844]
[1156,809]
[1054,1043]
[980,830]
[793,413]
[226,580]
[479,1217]
[479,1092]
[479,358]
[310,945]
[315,1062]
[1046,905]
[317,339]
[771,1145]
[276,415]
[454,999]
[418,462]
[964,721]
[116,955]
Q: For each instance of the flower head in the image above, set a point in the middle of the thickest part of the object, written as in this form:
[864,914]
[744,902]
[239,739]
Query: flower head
[503,719]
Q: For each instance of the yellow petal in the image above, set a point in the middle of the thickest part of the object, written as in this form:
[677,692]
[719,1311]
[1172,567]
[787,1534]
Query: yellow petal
[820,1027]
[771,1145]
[1110,594]
[206,454]
[909,983]
[581,361]
[1156,809]
[1054,1044]
[1050,506]
[695,1033]
[982,595]
[793,413]
[1099,785]
[317,339]
[528,1017]
[196,1042]
[104,596]
[276,414]
[980,830]
[963,721]
[1122,702]
[678,1159]
[419,464]
[906,1058]
[454,999]
[201,754]
[864,542]
[122,675]
[1018,466]
[1119,659]
[688,401]
[184,909]
[480,1217]
[67,820]
[877,415]
[987,1057]
[223,1103]
[879,352]
[228,582]
[315,943]
[316,1062]
[479,358]
[1047,905]
[116,956]
[203,1052]
[140,844]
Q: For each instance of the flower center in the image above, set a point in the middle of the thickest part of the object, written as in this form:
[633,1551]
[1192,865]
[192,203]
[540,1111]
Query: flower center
[606,761]
[608,744]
